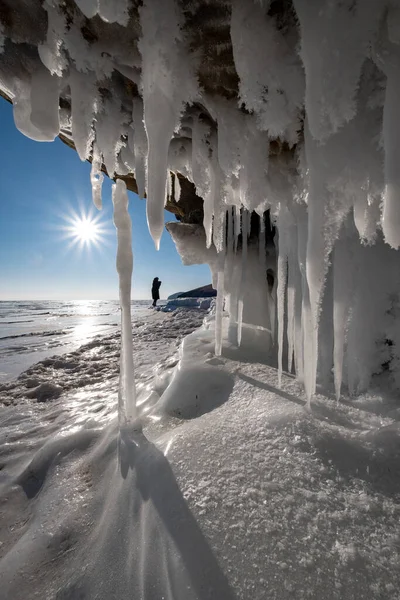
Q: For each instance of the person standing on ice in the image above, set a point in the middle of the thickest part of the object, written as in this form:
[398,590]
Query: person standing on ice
[155,290]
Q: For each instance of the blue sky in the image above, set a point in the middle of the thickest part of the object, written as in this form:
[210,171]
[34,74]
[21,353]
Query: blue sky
[41,184]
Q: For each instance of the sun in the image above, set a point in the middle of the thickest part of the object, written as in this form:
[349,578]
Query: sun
[85,229]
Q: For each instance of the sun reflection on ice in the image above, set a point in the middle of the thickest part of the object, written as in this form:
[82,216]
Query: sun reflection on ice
[84,329]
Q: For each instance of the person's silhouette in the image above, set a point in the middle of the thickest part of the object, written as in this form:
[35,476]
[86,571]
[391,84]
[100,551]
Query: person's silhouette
[155,290]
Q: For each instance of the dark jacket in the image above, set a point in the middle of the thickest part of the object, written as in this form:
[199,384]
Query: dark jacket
[155,290]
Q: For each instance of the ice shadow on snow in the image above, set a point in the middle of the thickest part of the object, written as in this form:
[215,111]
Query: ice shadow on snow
[250,355]
[374,460]
[48,456]
[270,388]
[156,483]
[317,410]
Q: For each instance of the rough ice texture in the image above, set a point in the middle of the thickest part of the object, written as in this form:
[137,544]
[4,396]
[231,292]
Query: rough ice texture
[218,504]
[96,177]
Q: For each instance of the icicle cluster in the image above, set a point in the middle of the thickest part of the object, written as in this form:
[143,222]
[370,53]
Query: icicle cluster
[309,132]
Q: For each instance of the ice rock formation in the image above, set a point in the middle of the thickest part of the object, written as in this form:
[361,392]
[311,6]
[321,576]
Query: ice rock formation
[281,116]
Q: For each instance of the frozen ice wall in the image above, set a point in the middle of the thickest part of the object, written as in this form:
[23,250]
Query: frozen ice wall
[281,108]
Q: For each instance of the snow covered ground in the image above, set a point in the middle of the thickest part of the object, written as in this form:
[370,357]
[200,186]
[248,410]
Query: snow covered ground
[232,490]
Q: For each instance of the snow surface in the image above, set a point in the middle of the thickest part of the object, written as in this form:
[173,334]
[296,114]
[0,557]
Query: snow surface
[237,486]
[233,490]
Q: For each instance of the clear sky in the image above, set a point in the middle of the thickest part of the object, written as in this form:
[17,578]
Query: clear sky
[41,186]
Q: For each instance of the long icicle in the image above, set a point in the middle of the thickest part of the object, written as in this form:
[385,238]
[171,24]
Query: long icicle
[291,294]
[220,295]
[122,221]
[245,229]
[282,273]
[342,290]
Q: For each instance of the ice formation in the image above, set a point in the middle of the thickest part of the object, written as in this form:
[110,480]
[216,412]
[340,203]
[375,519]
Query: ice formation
[122,220]
[303,132]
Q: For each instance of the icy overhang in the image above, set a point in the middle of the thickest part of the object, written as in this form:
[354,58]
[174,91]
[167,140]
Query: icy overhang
[93,49]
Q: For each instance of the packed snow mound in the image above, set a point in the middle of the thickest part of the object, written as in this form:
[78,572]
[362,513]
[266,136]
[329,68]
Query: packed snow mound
[195,391]
[286,107]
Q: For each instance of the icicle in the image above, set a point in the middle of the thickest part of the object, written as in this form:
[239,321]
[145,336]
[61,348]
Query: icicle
[230,134]
[296,277]
[158,118]
[219,206]
[200,157]
[293,282]
[283,225]
[391,136]
[220,302]
[120,166]
[169,184]
[110,122]
[253,173]
[360,211]
[245,232]
[126,158]
[343,36]
[325,334]
[50,51]
[177,188]
[212,198]
[208,208]
[22,110]
[230,240]
[316,256]
[168,82]
[83,106]
[343,280]
[122,221]
[140,146]
[261,243]
[127,152]
[45,94]
[96,177]
[237,226]
[240,320]
[306,319]
[180,157]
[234,286]
[232,279]
[262,257]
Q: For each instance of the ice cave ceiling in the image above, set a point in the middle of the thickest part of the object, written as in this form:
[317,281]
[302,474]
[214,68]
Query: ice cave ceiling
[207,32]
